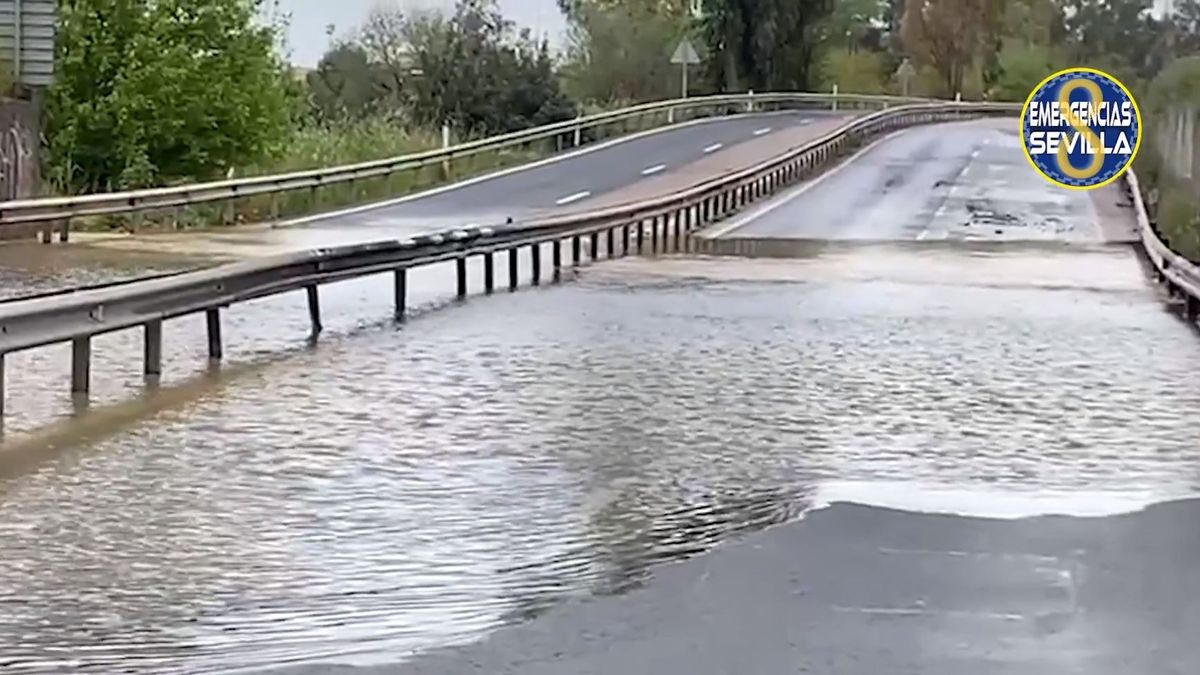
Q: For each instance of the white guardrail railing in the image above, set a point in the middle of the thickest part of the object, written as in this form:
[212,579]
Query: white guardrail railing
[660,224]
[1181,277]
[664,223]
[54,214]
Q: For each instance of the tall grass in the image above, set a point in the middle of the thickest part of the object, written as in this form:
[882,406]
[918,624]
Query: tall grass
[323,146]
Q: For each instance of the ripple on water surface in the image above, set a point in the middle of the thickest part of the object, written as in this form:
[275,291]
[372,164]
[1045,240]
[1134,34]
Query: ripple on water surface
[397,490]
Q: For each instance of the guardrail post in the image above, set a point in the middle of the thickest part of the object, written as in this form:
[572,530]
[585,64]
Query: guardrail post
[679,229]
[1,384]
[314,309]
[47,234]
[641,236]
[212,318]
[556,256]
[81,364]
[578,132]
[535,254]
[460,274]
[625,239]
[654,234]
[400,288]
[512,269]
[609,240]
[835,93]
[489,273]
[595,246]
[445,144]
[152,348]
[64,232]
[575,253]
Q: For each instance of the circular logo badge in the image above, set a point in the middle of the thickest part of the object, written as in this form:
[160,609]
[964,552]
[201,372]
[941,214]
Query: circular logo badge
[1081,128]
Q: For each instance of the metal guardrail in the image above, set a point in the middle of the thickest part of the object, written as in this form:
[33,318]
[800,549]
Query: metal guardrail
[55,213]
[661,224]
[1181,277]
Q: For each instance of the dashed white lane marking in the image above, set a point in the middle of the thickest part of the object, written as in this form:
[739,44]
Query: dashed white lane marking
[937,215]
[763,131]
[713,148]
[573,198]
[1034,557]
[898,611]
[649,171]
[799,190]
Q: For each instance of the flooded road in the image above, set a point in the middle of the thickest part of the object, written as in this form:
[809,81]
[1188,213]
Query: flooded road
[391,490]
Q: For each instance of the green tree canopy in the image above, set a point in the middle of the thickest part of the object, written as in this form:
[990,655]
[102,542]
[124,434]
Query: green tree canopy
[763,44]
[480,77]
[152,91]
[619,54]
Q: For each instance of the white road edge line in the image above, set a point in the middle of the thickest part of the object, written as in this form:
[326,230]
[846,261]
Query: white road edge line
[763,131]
[801,189]
[713,148]
[362,208]
[573,198]
[649,171]
[941,211]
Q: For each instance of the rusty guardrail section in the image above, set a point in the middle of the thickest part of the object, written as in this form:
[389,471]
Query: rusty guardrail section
[662,224]
[1177,273]
[52,214]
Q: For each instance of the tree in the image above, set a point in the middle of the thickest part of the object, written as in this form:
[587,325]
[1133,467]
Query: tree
[480,77]
[950,35]
[616,54]
[1118,35]
[384,41]
[153,91]
[764,44]
[345,84]
[856,24]
[670,9]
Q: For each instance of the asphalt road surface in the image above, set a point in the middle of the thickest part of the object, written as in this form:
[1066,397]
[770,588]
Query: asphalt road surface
[965,181]
[857,590]
[571,180]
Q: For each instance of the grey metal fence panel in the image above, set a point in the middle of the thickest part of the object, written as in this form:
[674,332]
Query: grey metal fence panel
[27,33]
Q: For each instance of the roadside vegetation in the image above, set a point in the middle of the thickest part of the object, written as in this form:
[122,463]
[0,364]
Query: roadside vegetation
[161,92]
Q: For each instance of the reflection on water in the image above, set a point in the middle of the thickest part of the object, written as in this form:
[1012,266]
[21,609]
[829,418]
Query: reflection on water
[392,490]
[28,268]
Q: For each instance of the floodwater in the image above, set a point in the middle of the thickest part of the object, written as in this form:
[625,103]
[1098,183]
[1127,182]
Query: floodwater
[395,489]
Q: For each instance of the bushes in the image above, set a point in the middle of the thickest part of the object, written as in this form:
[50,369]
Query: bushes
[1173,93]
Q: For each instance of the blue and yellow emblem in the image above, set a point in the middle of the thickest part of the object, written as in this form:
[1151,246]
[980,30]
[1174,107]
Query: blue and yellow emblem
[1081,128]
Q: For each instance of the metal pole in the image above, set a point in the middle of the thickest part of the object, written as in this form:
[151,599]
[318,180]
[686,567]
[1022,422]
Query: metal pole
[685,82]
[17,42]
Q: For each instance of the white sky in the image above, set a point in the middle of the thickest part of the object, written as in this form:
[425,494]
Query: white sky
[307,41]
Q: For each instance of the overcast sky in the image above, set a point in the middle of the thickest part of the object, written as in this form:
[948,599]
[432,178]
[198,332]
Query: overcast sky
[307,40]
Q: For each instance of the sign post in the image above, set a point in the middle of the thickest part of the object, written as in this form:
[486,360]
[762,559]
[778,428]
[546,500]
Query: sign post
[905,74]
[685,55]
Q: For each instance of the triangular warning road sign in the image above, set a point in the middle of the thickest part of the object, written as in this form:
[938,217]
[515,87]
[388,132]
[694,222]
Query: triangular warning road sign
[685,53]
